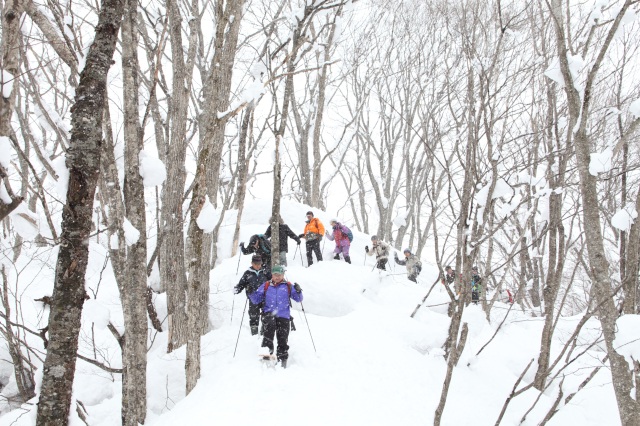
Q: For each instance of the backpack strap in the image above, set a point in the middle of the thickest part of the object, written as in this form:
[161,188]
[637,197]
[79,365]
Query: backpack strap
[266,287]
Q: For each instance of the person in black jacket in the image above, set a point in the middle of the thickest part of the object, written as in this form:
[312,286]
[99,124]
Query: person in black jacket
[259,245]
[251,280]
[284,231]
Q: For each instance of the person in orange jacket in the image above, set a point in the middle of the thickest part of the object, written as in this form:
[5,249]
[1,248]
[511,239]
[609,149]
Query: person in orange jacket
[313,232]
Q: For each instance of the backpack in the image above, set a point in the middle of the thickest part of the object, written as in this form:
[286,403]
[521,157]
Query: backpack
[265,244]
[346,231]
[266,287]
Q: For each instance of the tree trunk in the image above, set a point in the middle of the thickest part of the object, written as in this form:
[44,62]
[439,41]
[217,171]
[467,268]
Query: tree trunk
[83,162]
[133,292]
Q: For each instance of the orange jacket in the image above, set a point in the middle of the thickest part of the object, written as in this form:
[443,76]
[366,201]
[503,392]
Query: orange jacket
[314,226]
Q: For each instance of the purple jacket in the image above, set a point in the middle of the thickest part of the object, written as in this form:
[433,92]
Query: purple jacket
[339,235]
[277,298]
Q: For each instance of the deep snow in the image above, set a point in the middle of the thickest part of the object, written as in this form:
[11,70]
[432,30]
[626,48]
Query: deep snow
[373,364]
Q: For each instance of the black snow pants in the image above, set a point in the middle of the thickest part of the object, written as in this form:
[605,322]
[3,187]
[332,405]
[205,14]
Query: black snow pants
[276,327]
[313,246]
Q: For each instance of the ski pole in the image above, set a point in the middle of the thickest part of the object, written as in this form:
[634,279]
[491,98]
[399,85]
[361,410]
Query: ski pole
[238,267]
[232,305]
[308,328]
[238,339]
[296,252]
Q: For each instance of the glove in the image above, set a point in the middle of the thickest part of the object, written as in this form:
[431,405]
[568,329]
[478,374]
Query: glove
[242,245]
[297,287]
[300,236]
[298,241]
[237,289]
[395,255]
[366,248]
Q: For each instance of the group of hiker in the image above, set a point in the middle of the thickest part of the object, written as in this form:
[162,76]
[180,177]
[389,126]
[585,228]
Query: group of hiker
[270,294]
[476,282]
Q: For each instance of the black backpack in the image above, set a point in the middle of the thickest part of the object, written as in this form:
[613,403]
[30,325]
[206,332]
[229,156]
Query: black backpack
[265,245]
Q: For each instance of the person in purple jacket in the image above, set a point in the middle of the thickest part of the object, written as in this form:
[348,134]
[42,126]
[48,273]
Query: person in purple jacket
[341,236]
[276,316]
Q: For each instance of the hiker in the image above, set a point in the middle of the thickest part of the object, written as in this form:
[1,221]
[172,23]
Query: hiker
[283,232]
[250,281]
[341,236]
[313,232]
[450,275]
[259,245]
[276,317]
[381,250]
[476,285]
[413,264]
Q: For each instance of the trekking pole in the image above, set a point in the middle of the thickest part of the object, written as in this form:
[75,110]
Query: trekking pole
[308,328]
[296,252]
[238,339]
[238,267]
[232,305]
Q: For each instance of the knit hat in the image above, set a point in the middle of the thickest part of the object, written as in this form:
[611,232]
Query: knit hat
[374,238]
[310,213]
[407,251]
[256,258]
[278,269]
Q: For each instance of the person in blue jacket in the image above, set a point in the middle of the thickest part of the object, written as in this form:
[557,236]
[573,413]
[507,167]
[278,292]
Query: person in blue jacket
[276,315]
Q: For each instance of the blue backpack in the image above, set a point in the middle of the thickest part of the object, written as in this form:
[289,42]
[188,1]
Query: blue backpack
[265,244]
[346,231]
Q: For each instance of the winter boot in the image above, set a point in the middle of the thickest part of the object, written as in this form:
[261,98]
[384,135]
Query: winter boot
[347,259]
[336,257]
[283,363]
[254,330]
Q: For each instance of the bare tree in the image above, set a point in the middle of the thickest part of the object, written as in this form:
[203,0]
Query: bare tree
[83,162]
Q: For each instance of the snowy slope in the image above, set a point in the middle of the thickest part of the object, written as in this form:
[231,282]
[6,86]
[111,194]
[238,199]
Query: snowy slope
[372,364]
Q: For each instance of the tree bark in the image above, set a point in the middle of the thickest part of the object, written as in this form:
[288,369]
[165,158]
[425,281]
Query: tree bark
[83,162]
[133,292]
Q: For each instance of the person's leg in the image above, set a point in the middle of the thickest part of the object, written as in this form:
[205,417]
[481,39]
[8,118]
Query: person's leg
[309,246]
[283,258]
[412,277]
[316,249]
[269,327]
[254,318]
[282,333]
[382,264]
[345,253]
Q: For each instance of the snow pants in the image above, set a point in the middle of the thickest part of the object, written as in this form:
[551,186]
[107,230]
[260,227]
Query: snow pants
[313,246]
[254,317]
[279,328]
[382,264]
[342,247]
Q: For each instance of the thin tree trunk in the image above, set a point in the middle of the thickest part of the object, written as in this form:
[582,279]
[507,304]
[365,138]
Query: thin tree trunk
[83,163]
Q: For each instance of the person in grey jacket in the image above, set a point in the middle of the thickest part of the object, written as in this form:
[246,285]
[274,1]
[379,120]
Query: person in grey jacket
[413,264]
[381,250]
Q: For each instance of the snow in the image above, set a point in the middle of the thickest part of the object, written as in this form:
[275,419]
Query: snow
[152,170]
[7,83]
[625,217]
[601,162]
[627,341]
[208,217]
[369,362]
[7,152]
[554,72]
[634,108]
[95,312]
[60,167]
[131,234]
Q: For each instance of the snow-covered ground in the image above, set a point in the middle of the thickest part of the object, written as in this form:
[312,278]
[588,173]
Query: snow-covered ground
[372,364]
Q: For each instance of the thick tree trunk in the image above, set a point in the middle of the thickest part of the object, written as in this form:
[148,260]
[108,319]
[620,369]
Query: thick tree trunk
[133,292]
[83,162]
[206,181]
